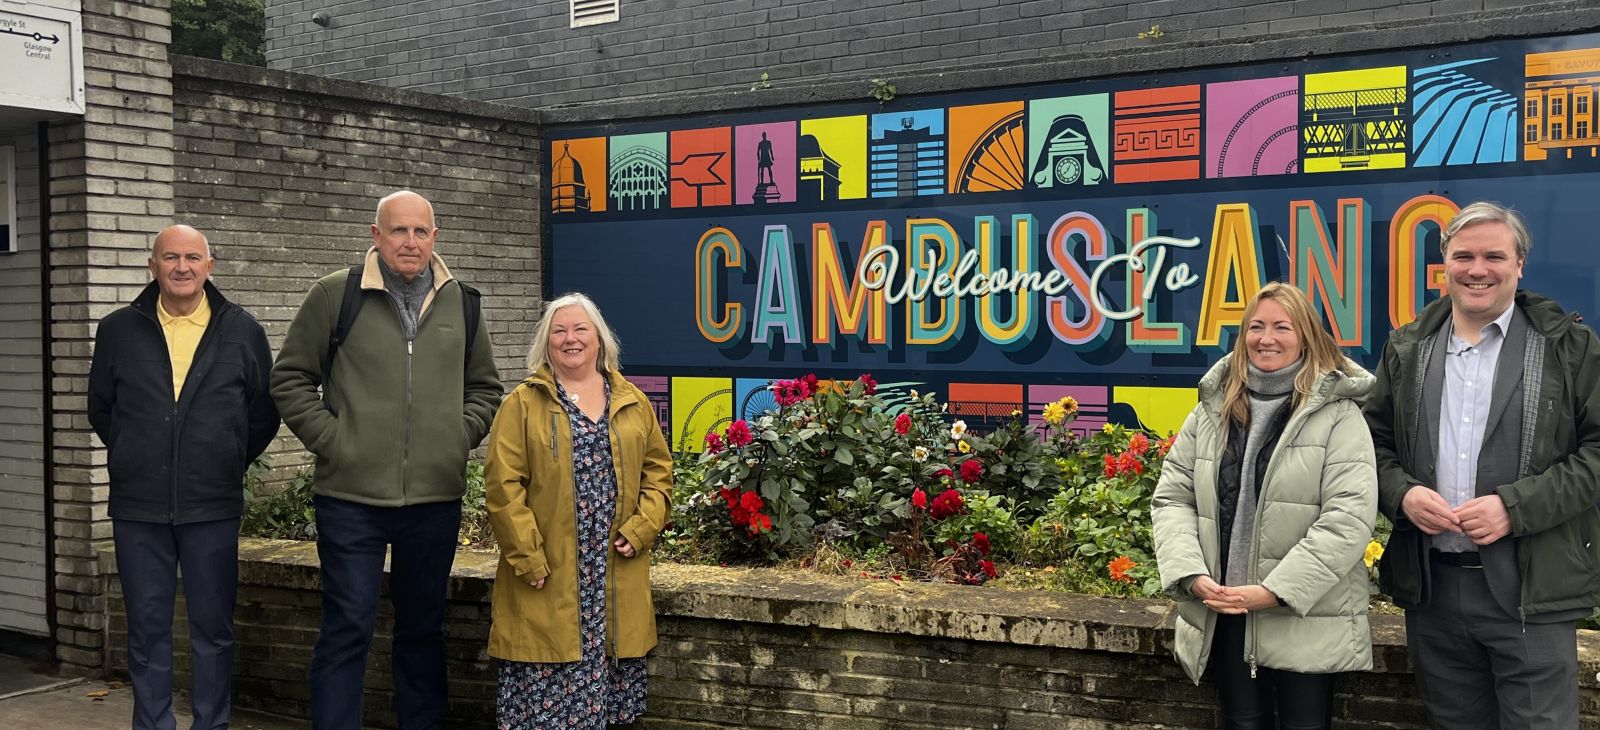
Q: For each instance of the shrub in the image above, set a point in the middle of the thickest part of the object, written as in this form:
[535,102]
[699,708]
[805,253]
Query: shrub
[286,514]
[1102,517]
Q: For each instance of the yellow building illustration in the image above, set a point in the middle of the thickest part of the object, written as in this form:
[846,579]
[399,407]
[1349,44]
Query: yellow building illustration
[1355,120]
[1558,104]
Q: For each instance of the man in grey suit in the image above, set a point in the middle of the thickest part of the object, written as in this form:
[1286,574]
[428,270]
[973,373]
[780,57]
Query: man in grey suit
[1486,421]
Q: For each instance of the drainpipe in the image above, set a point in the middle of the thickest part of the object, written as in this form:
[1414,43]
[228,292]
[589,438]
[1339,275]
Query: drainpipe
[47,343]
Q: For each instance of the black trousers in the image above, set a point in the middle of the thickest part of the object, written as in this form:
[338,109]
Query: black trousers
[1273,698]
[1481,668]
[149,556]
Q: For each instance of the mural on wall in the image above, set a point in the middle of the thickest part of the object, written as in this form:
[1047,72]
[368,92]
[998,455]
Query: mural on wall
[1252,127]
[1355,120]
[833,158]
[578,176]
[988,148]
[638,179]
[1559,99]
[1457,119]
[766,163]
[1003,248]
[907,154]
[1067,141]
[702,163]
[1157,134]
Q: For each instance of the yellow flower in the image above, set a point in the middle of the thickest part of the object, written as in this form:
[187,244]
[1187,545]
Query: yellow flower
[1374,551]
[1070,403]
[963,447]
[1054,414]
[1108,428]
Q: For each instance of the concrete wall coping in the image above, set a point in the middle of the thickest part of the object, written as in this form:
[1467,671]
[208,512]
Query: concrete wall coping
[795,598]
[288,81]
[1169,55]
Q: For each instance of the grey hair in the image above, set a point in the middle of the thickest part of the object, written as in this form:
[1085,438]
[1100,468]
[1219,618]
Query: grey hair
[377,214]
[157,238]
[610,357]
[1486,212]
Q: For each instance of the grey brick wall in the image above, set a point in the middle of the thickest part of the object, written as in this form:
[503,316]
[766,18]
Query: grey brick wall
[523,52]
[111,190]
[283,171]
[22,517]
[779,650]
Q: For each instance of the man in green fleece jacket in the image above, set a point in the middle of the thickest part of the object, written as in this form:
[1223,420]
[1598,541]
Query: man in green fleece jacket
[406,398]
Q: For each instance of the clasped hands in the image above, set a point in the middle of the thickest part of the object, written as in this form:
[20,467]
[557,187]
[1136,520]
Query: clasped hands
[1232,599]
[624,548]
[1483,519]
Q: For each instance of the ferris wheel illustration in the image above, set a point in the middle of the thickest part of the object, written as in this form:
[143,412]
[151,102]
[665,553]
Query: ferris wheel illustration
[719,420]
[757,403]
[997,160]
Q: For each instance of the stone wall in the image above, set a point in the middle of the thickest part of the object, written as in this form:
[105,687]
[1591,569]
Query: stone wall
[525,53]
[752,648]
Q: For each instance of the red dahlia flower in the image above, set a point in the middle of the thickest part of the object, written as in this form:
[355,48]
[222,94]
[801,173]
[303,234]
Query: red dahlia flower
[947,504]
[738,433]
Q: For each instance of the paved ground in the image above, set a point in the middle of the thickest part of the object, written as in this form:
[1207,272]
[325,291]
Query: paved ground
[33,700]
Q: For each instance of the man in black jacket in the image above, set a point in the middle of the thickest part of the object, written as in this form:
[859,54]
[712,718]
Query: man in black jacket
[1486,424]
[178,391]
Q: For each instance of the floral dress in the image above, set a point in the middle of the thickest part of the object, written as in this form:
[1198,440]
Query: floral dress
[593,691]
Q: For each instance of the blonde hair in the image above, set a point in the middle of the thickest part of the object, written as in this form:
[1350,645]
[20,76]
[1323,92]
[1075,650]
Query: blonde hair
[609,360]
[1319,354]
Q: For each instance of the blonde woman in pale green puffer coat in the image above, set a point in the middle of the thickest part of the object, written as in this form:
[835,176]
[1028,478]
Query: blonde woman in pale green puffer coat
[1264,509]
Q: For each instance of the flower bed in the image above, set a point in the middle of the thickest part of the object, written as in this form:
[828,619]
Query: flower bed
[844,478]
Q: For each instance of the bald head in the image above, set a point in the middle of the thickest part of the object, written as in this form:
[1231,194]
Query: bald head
[176,232]
[397,196]
[180,262]
[403,233]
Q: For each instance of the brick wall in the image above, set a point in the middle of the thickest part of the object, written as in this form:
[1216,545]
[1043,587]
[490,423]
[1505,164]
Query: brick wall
[283,171]
[768,649]
[111,189]
[524,53]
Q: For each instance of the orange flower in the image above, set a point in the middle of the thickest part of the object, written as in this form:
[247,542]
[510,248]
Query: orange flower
[1119,568]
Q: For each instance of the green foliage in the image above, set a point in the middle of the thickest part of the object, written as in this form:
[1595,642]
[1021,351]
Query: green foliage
[1102,515]
[883,90]
[226,30]
[475,530]
[985,513]
[286,514]
[829,466]
[1017,464]
[697,529]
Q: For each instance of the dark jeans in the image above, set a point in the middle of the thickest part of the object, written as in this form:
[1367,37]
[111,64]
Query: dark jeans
[1273,698]
[149,555]
[351,541]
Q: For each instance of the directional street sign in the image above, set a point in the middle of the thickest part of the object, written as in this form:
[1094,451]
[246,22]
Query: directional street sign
[38,50]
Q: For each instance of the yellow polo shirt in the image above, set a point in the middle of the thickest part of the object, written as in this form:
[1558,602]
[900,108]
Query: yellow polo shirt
[183,336]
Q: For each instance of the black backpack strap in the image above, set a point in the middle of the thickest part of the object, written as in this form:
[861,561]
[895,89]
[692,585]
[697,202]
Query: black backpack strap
[349,307]
[471,309]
